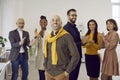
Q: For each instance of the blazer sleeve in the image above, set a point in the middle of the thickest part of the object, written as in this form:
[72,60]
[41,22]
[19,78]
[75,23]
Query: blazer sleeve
[28,40]
[73,53]
[14,44]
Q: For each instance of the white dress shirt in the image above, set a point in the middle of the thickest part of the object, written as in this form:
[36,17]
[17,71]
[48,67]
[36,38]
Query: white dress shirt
[21,34]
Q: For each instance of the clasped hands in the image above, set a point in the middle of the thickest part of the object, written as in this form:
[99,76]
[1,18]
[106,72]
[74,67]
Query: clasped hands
[23,41]
[86,40]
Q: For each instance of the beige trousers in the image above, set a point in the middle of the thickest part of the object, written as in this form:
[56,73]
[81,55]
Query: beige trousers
[58,77]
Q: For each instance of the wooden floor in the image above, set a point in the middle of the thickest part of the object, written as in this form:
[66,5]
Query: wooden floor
[33,73]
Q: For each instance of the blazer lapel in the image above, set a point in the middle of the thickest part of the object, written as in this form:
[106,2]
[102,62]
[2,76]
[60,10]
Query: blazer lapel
[23,35]
[17,36]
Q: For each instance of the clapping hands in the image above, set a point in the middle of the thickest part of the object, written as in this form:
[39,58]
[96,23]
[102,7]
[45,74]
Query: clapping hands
[36,32]
[85,39]
[32,42]
[22,41]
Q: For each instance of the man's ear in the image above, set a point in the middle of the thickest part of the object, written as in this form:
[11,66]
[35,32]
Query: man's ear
[61,22]
[67,16]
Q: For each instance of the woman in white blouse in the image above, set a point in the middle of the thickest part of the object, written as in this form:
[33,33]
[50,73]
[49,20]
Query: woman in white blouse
[39,41]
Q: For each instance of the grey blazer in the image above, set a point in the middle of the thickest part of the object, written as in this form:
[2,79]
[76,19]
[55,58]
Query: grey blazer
[15,47]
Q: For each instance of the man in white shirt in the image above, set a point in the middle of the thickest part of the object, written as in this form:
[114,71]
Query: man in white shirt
[19,40]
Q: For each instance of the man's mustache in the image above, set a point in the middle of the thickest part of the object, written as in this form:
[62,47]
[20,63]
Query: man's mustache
[55,23]
[21,26]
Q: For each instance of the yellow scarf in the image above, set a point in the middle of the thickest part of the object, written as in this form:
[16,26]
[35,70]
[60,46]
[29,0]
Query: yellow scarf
[52,40]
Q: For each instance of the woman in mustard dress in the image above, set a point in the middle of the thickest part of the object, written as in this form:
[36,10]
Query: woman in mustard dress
[92,40]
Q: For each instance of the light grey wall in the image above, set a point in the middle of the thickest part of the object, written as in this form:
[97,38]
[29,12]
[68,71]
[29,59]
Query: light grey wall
[0,17]
[31,10]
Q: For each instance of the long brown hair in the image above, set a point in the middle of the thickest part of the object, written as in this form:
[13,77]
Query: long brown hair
[96,30]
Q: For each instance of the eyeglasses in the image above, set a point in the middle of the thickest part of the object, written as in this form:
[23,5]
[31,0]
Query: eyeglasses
[73,15]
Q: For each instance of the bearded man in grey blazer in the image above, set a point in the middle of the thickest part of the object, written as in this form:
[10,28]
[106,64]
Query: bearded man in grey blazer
[20,42]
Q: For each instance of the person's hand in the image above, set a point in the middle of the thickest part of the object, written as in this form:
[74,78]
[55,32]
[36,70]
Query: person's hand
[36,32]
[22,41]
[85,39]
[103,35]
[32,42]
[106,45]
[91,42]
[66,73]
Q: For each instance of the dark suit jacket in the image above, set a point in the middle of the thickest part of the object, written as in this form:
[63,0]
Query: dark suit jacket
[15,47]
[72,29]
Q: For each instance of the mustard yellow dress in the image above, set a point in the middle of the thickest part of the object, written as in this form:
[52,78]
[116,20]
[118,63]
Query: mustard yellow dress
[92,59]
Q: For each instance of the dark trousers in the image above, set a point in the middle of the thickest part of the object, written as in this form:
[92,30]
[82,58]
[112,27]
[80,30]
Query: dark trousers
[75,73]
[23,62]
[41,74]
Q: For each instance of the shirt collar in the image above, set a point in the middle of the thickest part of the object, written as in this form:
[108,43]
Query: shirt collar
[19,30]
[70,24]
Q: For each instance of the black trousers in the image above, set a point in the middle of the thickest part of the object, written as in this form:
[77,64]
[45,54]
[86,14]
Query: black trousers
[75,73]
[41,74]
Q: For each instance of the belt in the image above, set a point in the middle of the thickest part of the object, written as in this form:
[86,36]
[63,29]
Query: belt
[21,53]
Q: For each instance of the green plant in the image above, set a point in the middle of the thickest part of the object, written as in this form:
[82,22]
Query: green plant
[32,51]
[2,41]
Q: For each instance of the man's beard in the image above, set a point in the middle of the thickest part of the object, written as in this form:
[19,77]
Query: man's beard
[43,28]
[21,27]
[72,21]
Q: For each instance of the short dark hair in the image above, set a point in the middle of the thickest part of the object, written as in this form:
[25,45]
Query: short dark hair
[114,22]
[68,12]
[43,17]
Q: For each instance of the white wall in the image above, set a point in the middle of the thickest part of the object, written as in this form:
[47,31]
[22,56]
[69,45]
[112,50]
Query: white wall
[97,9]
[10,11]
[31,10]
[0,18]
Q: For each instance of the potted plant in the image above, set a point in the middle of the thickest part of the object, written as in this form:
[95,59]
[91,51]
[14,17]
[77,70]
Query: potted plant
[2,43]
